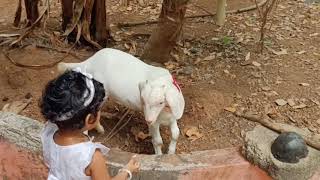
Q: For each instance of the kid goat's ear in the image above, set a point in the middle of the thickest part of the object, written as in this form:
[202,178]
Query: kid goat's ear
[175,100]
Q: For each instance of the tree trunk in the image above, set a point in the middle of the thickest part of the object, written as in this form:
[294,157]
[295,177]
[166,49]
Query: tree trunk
[67,13]
[99,22]
[91,20]
[164,37]
[221,12]
[31,10]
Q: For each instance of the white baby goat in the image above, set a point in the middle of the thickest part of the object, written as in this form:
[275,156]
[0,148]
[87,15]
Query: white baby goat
[138,86]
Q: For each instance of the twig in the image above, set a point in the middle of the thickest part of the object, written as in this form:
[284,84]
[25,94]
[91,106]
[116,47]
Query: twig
[30,28]
[264,121]
[37,66]
[124,124]
[57,50]
[242,10]
[108,115]
[118,123]
[264,18]
[45,65]
[16,106]
[203,9]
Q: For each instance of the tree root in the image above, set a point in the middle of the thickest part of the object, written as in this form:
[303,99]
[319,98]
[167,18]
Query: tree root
[238,11]
[264,121]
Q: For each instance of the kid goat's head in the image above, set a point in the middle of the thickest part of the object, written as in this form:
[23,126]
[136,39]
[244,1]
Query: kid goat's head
[159,93]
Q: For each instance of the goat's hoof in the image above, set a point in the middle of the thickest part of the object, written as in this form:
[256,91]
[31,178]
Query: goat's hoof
[100,130]
[158,153]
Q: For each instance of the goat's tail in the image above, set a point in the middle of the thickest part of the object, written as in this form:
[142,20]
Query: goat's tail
[62,67]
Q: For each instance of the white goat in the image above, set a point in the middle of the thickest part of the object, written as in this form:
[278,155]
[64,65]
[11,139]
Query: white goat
[138,86]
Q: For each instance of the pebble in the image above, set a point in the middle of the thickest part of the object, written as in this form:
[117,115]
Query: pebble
[266,88]
[291,102]
[272,93]
[188,70]
[194,50]
[28,96]
[209,58]
[226,71]
[255,63]
[281,102]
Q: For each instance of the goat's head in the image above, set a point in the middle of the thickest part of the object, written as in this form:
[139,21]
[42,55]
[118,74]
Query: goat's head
[159,93]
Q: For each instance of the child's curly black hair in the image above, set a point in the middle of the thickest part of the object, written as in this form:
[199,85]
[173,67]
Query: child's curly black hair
[65,96]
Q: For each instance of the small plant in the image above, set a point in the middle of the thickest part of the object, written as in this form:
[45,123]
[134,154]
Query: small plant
[264,12]
[226,40]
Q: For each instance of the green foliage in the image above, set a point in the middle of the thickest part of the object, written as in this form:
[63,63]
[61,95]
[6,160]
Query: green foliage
[226,40]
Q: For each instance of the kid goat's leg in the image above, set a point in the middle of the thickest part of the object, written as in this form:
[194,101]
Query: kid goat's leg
[174,136]
[154,130]
[99,128]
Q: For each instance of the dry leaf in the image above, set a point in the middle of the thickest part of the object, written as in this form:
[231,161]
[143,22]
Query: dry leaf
[255,63]
[129,8]
[193,133]
[186,52]
[266,88]
[9,35]
[127,46]
[197,61]
[141,136]
[170,66]
[175,56]
[291,102]
[304,84]
[209,58]
[301,52]
[300,106]
[282,52]
[247,56]
[314,34]
[138,135]
[16,106]
[230,109]
[133,48]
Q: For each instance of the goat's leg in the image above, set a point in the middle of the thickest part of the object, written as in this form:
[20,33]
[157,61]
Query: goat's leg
[99,128]
[174,137]
[157,142]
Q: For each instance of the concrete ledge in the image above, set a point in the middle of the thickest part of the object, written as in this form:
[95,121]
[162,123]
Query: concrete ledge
[257,149]
[226,164]
[17,163]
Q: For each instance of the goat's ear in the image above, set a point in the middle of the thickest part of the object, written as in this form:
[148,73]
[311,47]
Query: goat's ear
[141,85]
[175,100]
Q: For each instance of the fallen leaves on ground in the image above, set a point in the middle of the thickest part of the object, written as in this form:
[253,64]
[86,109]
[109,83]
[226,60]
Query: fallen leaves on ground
[16,106]
[192,133]
[139,135]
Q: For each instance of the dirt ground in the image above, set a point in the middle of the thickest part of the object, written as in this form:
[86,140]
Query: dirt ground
[217,68]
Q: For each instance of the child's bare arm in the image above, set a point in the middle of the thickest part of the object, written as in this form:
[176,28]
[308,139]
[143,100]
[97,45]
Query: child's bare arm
[99,170]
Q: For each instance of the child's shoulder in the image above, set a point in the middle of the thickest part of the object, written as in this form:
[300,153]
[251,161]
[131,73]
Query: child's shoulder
[48,130]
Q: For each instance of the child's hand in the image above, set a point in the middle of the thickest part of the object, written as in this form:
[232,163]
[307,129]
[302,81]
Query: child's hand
[133,164]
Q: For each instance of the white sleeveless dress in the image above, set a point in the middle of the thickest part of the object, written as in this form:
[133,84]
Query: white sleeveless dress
[67,162]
